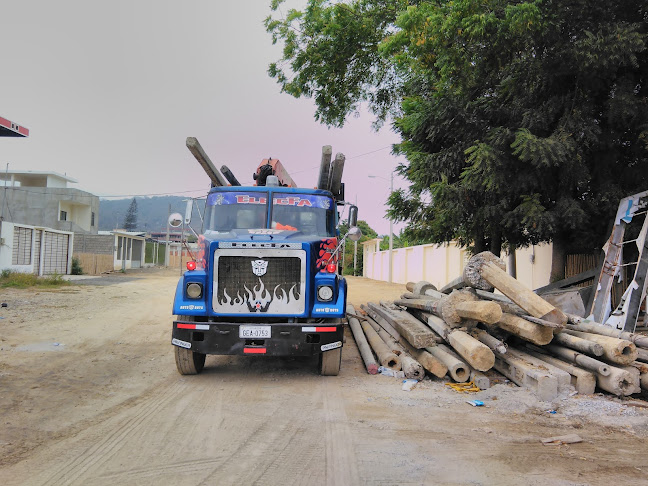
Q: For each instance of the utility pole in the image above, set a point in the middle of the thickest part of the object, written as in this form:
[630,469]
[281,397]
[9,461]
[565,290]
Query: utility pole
[391,232]
[166,250]
[355,247]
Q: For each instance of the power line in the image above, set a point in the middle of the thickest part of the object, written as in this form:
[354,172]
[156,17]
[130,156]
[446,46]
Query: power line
[350,158]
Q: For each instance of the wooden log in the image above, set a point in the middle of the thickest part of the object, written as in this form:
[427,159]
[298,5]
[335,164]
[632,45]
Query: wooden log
[579,344]
[457,369]
[456,308]
[410,366]
[616,350]
[457,283]
[577,323]
[583,381]
[385,355]
[477,354]
[542,322]
[427,360]
[621,381]
[488,269]
[361,341]
[479,379]
[383,323]
[487,312]
[416,333]
[493,343]
[529,331]
[572,356]
[642,355]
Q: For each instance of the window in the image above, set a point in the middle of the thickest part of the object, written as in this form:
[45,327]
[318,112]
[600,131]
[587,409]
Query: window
[63,216]
[92,219]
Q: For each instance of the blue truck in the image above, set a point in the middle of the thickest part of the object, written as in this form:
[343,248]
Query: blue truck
[265,279]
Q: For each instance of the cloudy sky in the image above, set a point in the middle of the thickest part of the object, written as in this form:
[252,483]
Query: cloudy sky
[111,90]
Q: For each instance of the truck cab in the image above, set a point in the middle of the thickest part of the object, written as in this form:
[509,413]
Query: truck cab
[265,279]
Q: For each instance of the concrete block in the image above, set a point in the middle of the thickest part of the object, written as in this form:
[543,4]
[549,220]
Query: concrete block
[582,380]
[563,377]
[523,373]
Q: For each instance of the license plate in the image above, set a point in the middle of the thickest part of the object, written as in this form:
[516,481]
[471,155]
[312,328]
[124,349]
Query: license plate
[254,332]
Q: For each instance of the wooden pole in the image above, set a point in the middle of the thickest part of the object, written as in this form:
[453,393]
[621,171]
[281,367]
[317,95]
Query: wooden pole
[490,271]
[529,331]
[361,341]
[477,354]
[579,344]
[580,359]
[615,350]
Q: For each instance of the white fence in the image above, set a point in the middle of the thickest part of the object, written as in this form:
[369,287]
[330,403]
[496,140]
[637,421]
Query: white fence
[440,264]
[37,250]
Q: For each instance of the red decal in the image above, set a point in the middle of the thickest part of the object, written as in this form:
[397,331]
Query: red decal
[254,350]
[304,202]
[245,199]
[325,329]
[326,249]
[186,326]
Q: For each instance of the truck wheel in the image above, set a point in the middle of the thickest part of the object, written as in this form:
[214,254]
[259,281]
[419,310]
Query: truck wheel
[189,362]
[329,364]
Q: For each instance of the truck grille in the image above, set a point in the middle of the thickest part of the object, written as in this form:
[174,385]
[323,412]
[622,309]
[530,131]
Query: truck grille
[259,282]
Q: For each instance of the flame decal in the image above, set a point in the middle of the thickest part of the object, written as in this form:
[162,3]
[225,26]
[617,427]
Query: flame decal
[259,299]
[326,249]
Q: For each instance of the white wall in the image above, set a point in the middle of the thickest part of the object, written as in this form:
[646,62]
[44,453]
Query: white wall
[440,264]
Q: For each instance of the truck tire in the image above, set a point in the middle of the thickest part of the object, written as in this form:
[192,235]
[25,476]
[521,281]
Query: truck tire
[188,362]
[329,364]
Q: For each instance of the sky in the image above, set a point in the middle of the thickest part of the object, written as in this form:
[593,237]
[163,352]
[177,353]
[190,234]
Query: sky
[111,90]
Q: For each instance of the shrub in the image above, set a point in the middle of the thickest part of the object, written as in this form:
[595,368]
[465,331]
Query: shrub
[76,267]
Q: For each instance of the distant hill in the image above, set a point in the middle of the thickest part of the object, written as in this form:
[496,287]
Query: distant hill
[152,212]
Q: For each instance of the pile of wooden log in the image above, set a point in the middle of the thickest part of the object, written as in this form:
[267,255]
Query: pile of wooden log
[467,329]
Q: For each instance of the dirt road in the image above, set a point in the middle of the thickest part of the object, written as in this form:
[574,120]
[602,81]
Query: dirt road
[90,396]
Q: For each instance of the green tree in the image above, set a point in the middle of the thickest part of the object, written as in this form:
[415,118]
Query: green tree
[521,121]
[130,221]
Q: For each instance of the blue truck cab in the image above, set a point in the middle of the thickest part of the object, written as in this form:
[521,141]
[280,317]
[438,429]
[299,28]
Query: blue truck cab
[265,281]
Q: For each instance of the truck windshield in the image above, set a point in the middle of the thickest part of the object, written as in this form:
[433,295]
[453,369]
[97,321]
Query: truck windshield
[309,214]
[227,211]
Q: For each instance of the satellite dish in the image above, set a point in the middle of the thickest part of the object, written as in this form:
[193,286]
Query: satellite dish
[175,220]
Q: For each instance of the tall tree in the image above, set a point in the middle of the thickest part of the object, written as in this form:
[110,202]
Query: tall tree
[521,121]
[130,221]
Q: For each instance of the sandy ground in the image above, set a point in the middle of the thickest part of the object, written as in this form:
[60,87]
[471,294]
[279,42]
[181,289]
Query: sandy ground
[90,396]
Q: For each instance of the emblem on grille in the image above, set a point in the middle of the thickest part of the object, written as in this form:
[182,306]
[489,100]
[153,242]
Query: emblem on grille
[259,267]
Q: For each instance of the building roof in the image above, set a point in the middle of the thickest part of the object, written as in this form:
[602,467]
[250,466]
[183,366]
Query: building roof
[11,129]
[36,173]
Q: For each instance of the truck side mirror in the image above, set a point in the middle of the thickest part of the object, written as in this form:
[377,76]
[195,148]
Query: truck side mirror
[175,220]
[353,216]
[354,233]
[188,211]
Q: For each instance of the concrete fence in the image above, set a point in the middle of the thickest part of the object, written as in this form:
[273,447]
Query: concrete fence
[439,264]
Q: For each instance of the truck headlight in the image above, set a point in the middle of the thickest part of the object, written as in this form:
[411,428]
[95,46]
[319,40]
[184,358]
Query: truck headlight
[194,290]
[325,293]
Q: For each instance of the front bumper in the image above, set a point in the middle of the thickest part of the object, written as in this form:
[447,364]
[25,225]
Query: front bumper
[287,339]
